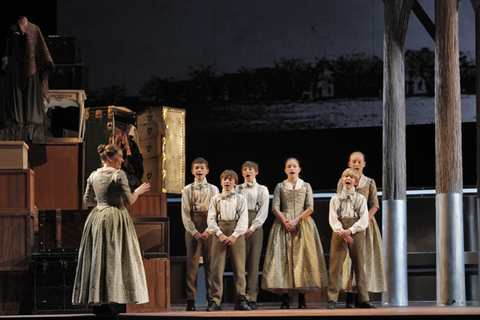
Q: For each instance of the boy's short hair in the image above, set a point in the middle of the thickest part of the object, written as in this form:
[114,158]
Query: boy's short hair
[250,164]
[201,161]
[229,174]
[349,172]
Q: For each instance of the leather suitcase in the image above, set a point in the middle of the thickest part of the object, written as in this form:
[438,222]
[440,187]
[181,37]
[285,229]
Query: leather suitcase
[64,50]
[69,76]
[60,230]
[52,276]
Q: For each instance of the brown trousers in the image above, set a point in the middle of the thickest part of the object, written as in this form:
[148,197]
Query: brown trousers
[253,247]
[237,256]
[194,250]
[338,252]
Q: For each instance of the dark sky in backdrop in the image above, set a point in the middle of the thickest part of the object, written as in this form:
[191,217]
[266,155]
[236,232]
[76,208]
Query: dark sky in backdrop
[128,42]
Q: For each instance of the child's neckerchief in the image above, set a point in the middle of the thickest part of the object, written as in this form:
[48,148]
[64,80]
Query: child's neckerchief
[200,184]
[227,194]
[348,195]
[224,196]
[249,185]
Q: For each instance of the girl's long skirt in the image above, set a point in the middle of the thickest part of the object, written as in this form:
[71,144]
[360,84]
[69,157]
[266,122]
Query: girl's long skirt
[294,261]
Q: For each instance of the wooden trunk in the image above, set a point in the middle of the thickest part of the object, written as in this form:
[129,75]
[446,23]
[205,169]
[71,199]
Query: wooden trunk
[60,230]
[52,277]
[157,272]
[58,167]
[17,190]
[17,240]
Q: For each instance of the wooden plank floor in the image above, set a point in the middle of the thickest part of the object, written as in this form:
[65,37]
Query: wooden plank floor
[320,309]
[415,309]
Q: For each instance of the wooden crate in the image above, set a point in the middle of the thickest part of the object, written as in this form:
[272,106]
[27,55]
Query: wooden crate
[14,155]
[58,167]
[17,237]
[178,274]
[157,272]
[15,293]
[151,204]
[17,190]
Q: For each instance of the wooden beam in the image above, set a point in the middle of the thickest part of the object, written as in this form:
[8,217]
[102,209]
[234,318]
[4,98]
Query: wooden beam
[476,8]
[424,19]
[394,143]
[403,21]
[448,122]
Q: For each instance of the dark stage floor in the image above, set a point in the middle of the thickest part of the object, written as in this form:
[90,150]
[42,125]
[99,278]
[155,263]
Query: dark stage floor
[425,310]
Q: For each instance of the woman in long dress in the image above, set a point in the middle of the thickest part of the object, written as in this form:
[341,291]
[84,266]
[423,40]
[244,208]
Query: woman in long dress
[294,258]
[374,264]
[110,268]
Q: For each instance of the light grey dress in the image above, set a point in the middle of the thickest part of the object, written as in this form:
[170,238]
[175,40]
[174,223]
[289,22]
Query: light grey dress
[110,267]
[294,260]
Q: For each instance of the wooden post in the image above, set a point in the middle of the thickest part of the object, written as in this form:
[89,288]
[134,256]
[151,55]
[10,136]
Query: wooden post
[448,138]
[394,197]
[476,8]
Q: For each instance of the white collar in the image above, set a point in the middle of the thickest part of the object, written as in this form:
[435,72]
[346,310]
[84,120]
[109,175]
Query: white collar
[298,185]
[363,182]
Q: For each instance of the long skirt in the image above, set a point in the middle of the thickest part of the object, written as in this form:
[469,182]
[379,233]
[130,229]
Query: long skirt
[110,267]
[294,261]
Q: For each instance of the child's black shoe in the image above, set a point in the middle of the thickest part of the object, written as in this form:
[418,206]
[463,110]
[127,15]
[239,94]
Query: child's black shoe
[191,305]
[351,300]
[301,301]
[367,304]
[252,305]
[242,304]
[331,305]
[285,301]
[213,306]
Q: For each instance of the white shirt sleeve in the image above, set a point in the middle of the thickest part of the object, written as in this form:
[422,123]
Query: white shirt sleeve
[262,213]
[212,226]
[333,217]
[242,222]
[186,209]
